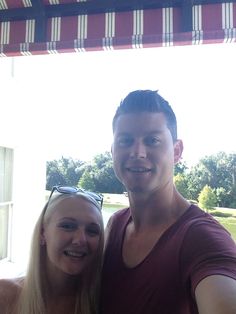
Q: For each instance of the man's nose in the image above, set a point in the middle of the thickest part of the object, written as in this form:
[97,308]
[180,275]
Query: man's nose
[138,150]
[79,236]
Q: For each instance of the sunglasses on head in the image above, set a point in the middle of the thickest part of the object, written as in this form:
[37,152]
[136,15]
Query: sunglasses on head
[73,190]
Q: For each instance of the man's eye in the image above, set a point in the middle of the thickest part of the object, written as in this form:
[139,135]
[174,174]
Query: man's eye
[68,226]
[124,141]
[152,141]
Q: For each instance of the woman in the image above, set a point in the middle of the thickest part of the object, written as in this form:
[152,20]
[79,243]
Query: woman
[66,255]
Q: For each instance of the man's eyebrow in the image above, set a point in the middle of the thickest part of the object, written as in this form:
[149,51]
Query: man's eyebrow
[67,218]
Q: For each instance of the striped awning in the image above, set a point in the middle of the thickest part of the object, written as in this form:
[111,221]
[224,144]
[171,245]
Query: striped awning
[117,29]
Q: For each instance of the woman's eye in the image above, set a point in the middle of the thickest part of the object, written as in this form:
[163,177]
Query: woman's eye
[68,226]
[93,231]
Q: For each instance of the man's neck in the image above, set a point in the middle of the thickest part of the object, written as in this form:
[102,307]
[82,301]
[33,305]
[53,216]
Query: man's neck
[157,208]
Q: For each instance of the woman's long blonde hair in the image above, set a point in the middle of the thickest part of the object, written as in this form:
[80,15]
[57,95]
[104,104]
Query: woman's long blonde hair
[32,299]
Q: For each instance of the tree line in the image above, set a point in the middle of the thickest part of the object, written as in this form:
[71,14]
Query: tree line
[211,182]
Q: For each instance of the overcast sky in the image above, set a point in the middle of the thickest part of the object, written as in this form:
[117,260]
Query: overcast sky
[74,96]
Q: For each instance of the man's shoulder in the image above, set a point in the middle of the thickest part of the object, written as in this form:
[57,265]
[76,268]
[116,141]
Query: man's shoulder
[119,218]
[120,214]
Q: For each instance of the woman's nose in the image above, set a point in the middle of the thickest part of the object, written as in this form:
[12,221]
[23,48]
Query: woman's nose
[79,236]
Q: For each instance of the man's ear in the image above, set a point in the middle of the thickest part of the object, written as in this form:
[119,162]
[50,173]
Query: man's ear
[42,237]
[178,150]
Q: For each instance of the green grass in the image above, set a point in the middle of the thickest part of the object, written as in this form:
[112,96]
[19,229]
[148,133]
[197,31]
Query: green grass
[229,224]
[111,208]
[114,202]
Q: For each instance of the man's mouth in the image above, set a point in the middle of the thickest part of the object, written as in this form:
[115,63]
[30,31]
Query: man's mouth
[75,254]
[138,169]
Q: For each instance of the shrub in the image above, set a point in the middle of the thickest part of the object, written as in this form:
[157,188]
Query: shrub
[218,213]
[207,198]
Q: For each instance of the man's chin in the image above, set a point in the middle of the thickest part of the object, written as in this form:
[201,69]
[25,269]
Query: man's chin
[136,189]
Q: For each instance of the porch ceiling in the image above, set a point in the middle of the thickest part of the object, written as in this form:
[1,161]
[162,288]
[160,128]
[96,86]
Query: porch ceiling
[44,26]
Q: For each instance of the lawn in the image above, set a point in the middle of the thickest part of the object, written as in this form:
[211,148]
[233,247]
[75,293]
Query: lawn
[114,202]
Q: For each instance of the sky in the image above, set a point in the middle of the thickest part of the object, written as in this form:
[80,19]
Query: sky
[72,97]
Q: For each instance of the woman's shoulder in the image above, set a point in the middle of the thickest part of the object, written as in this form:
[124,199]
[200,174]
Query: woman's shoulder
[9,290]
[11,284]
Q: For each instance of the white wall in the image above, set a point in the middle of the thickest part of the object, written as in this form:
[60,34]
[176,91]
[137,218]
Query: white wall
[20,130]
[29,177]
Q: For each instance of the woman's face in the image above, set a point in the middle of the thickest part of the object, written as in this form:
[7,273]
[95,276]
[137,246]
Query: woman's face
[72,235]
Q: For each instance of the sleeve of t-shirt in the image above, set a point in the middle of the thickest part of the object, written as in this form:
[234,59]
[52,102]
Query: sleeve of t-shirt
[207,249]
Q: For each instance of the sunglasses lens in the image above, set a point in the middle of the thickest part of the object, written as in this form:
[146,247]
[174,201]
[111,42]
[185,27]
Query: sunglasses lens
[71,190]
[67,189]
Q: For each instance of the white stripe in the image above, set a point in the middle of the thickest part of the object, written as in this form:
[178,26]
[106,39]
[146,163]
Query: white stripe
[79,45]
[138,22]
[82,26]
[56,29]
[27,3]
[197,33]
[230,35]
[5,33]
[110,24]
[51,47]
[197,37]
[137,41]
[167,20]
[24,49]
[30,31]
[167,35]
[107,43]
[194,17]
[197,17]
[1,51]
[227,15]
[134,22]
[3,4]
[54,2]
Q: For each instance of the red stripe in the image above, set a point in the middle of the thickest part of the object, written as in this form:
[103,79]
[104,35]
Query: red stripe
[177,23]
[212,17]
[152,22]
[14,4]
[69,27]
[38,48]
[67,1]
[17,31]
[96,26]
[234,14]
[124,24]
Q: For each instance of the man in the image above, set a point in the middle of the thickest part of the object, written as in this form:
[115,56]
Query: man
[163,255]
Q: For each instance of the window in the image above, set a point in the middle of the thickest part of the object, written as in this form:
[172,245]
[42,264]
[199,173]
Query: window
[6,172]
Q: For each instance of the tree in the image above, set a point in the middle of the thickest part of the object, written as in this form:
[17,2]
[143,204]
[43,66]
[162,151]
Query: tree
[181,184]
[207,198]
[87,180]
[100,175]
[64,171]
[217,171]
[180,167]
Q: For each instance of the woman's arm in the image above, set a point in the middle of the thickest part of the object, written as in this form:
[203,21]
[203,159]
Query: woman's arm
[9,291]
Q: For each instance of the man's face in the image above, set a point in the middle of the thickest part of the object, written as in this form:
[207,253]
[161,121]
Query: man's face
[143,151]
